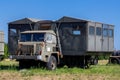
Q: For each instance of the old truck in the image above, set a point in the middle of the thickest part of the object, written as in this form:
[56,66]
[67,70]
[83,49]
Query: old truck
[67,41]
[1,45]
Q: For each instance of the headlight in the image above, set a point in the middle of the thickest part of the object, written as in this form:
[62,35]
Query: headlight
[39,57]
[48,49]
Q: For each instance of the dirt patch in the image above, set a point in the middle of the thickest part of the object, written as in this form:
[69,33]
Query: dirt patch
[72,77]
[18,76]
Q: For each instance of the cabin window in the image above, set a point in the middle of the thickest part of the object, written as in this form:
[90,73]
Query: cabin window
[110,33]
[98,31]
[13,32]
[77,32]
[48,38]
[91,30]
[105,32]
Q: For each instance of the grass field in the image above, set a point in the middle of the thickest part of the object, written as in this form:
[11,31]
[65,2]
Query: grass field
[9,71]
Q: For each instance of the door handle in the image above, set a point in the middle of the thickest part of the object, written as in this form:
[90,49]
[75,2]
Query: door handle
[102,39]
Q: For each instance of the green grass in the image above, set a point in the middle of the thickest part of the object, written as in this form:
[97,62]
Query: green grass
[107,70]
[101,70]
[95,69]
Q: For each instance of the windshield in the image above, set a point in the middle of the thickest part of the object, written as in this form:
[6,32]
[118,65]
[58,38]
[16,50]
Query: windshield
[32,37]
[38,37]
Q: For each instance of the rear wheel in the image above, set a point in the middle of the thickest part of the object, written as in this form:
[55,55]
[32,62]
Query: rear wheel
[114,61]
[52,63]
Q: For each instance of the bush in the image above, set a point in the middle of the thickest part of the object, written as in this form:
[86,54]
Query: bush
[6,55]
[103,57]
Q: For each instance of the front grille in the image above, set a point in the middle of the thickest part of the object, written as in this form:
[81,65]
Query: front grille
[27,49]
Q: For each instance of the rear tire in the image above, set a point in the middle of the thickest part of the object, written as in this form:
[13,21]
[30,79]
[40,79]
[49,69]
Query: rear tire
[114,61]
[52,63]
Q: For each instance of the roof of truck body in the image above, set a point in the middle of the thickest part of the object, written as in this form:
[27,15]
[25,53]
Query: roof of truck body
[61,20]
[25,21]
[71,19]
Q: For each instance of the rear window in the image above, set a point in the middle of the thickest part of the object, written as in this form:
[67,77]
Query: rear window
[76,32]
[91,30]
[110,33]
[98,31]
[105,32]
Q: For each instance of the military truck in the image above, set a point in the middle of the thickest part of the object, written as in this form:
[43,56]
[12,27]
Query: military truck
[67,41]
[1,45]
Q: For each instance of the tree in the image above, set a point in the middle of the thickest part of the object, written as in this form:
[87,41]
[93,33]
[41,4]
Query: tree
[6,50]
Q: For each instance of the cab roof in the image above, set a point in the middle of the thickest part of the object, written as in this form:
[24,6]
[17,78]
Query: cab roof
[40,31]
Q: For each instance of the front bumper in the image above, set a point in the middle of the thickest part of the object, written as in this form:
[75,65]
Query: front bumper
[26,57]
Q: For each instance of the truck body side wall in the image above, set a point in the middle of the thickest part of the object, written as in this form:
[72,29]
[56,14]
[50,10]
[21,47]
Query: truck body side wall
[101,38]
[73,43]
[14,33]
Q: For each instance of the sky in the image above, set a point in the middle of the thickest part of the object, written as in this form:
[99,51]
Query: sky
[105,11]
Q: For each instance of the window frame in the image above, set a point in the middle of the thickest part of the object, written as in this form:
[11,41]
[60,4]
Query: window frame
[98,31]
[91,30]
[110,34]
[74,32]
[23,37]
[105,32]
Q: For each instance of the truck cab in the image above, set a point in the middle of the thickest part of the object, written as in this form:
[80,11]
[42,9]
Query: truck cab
[37,46]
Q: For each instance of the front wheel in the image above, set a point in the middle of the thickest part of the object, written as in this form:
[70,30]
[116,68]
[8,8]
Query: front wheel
[95,61]
[52,63]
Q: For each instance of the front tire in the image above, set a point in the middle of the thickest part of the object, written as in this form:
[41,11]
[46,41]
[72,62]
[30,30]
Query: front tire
[95,61]
[21,64]
[52,63]
[24,64]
